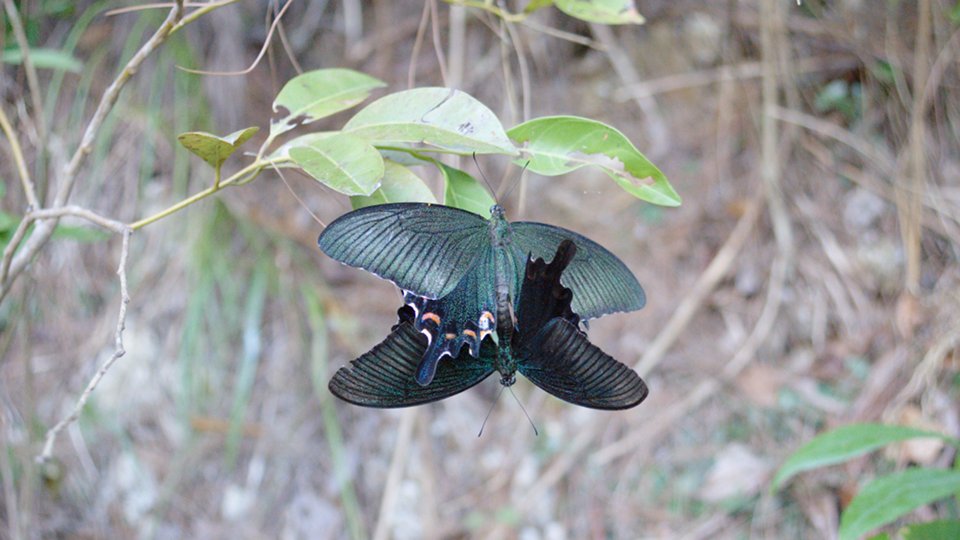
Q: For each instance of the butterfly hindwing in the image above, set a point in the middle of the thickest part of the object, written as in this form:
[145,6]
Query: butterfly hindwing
[601,283]
[554,354]
[420,247]
[384,376]
[561,361]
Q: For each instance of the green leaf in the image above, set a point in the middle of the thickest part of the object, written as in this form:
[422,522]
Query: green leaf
[212,148]
[602,11]
[320,93]
[561,144]
[343,162]
[399,184]
[886,499]
[465,192]
[437,118]
[844,443]
[44,59]
[282,153]
[934,530]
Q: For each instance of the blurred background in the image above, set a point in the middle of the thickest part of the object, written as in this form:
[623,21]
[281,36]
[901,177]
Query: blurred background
[809,279]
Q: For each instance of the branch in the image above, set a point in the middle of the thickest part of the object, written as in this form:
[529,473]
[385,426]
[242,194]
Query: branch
[44,230]
[32,81]
[119,351]
[28,188]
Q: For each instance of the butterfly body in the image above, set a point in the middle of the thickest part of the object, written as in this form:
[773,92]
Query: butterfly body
[461,274]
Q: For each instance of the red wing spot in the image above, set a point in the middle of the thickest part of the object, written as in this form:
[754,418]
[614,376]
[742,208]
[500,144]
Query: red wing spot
[429,316]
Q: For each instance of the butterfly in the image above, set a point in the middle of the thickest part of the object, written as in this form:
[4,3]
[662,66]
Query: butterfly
[543,343]
[452,265]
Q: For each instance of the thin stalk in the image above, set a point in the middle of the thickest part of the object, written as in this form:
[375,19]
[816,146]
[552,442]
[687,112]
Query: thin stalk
[254,167]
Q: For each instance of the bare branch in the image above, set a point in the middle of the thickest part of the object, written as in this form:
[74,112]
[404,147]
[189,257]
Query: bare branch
[28,188]
[32,81]
[119,351]
[44,229]
[80,212]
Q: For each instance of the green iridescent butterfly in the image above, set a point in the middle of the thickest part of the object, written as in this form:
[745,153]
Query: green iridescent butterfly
[543,342]
[452,264]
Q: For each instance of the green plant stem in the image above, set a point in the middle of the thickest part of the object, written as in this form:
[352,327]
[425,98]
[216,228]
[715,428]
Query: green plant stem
[491,8]
[252,168]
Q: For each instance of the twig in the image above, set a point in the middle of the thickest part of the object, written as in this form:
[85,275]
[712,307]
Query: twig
[437,44]
[395,475]
[242,174]
[77,211]
[256,61]
[32,81]
[658,135]
[909,198]
[769,155]
[44,230]
[417,43]
[119,351]
[28,188]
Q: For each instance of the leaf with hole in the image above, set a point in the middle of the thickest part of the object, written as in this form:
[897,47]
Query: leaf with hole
[399,184]
[558,145]
[215,149]
[845,443]
[345,163]
[432,119]
[318,94]
[602,11]
[886,499]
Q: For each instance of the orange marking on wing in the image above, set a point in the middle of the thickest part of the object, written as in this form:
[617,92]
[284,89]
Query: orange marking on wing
[431,317]
[470,333]
[485,333]
[489,316]
[450,336]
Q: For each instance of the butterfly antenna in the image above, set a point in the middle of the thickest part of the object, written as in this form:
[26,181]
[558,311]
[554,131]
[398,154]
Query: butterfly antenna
[492,405]
[522,408]
[520,178]
[485,181]
[297,197]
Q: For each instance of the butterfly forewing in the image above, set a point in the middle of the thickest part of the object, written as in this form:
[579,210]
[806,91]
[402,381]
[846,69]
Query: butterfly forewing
[422,248]
[561,361]
[601,283]
[384,376]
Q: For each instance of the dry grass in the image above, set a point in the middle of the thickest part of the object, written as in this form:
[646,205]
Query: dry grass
[809,279]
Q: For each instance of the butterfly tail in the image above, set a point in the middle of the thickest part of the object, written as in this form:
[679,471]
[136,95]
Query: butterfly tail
[431,359]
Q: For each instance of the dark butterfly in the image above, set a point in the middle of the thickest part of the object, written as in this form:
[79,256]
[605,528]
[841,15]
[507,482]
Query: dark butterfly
[543,343]
[453,265]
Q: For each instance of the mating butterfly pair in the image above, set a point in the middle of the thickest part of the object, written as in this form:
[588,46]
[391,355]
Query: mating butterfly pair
[464,278]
